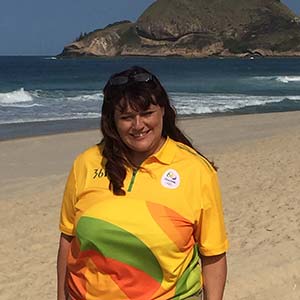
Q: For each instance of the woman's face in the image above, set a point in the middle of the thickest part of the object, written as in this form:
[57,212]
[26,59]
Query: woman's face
[141,131]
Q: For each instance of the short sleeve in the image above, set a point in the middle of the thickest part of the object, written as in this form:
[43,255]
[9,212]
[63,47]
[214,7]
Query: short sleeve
[210,231]
[67,214]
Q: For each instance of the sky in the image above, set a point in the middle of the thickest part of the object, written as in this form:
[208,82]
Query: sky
[39,27]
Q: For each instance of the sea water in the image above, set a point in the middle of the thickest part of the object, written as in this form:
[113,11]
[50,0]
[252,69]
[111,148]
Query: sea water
[44,89]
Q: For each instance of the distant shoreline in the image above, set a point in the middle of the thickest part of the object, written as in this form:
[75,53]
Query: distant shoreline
[58,57]
[238,56]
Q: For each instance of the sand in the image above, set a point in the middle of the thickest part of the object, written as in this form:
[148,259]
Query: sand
[259,168]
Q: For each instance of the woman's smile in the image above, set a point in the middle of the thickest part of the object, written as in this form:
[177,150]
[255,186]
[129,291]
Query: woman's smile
[140,134]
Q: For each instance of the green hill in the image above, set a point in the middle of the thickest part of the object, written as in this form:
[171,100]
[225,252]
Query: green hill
[198,28]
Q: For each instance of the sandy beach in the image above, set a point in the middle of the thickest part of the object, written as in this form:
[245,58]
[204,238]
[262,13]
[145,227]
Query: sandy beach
[259,168]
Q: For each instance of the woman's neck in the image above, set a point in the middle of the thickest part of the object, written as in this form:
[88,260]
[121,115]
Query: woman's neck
[137,158]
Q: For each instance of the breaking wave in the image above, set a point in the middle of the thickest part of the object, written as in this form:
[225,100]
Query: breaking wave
[15,97]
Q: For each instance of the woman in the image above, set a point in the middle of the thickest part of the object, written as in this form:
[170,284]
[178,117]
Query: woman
[141,207]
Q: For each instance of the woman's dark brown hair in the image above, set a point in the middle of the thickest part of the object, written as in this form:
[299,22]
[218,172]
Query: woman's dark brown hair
[139,95]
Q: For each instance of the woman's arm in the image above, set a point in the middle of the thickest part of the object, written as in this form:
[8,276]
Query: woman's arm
[64,245]
[214,271]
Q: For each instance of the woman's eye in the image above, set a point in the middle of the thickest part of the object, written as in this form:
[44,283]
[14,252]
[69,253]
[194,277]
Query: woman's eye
[126,118]
[147,113]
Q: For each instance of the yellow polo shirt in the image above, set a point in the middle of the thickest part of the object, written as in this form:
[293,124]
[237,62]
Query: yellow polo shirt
[143,245]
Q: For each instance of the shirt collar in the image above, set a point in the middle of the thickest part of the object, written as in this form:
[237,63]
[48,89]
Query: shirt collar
[167,152]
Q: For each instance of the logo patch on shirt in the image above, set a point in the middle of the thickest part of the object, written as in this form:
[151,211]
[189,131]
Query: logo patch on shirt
[170,179]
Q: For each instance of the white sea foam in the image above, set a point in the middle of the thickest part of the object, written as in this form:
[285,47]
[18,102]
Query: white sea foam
[15,97]
[287,79]
[293,98]
[88,97]
[74,116]
[87,115]
[21,105]
[51,58]
[187,103]
[282,79]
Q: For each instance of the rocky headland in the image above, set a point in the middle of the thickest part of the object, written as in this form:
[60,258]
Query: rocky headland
[198,28]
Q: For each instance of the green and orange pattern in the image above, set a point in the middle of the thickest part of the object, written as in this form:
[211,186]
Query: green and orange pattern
[124,256]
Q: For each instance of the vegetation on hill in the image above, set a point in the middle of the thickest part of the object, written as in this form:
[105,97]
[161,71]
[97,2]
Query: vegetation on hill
[198,28]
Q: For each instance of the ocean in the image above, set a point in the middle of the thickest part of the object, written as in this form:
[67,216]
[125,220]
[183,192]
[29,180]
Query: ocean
[42,95]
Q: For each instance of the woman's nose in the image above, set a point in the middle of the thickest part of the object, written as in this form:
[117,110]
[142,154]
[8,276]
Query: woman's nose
[137,122]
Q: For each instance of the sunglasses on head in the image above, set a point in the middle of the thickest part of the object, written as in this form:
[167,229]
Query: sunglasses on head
[122,79]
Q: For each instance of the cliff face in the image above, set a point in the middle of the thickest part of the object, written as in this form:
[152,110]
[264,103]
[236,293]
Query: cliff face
[198,28]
